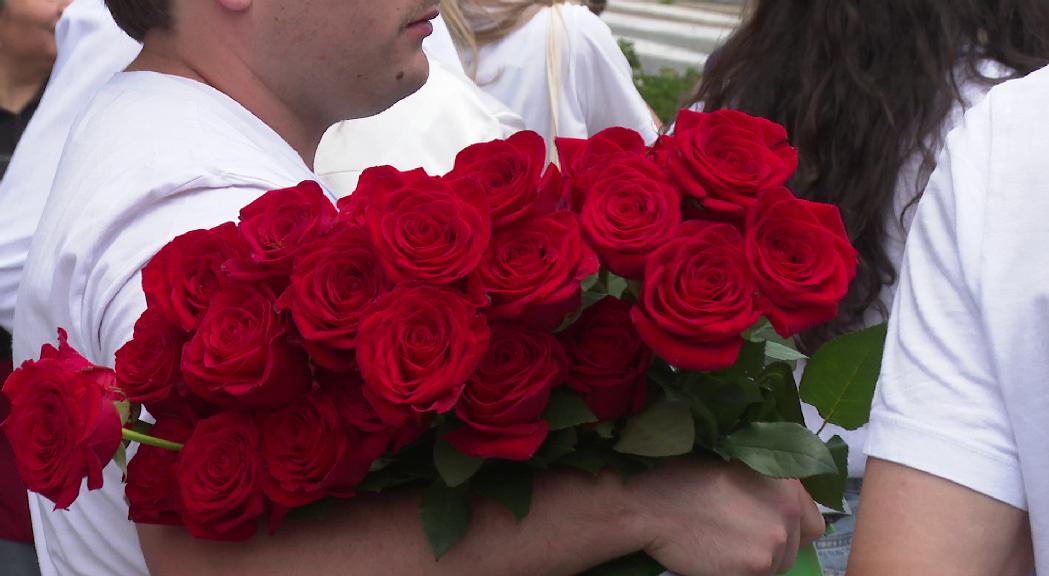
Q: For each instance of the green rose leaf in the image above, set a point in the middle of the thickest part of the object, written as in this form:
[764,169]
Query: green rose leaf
[779,380]
[840,377]
[567,410]
[778,351]
[509,485]
[663,429]
[446,515]
[829,490]
[780,450]
[454,466]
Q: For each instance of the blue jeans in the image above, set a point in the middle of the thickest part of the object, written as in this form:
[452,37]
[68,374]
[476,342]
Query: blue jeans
[18,559]
[834,548]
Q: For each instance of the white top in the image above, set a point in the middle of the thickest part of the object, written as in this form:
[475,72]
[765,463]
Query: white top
[897,223]
[152,156]
[425,130]
[963,391]
[596,92]
[101,50]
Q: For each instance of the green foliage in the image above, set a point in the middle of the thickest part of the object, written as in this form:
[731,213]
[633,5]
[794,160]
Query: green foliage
[454,467]
[446,515]
[508,484]
[663,429]
[567,409]
[639,564]
[829,490]
[840,377]
[780,450]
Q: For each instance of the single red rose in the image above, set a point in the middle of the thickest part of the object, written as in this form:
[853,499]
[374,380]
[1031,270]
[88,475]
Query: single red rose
[240,357]
[277,225]
[427,229]
[504,400]
[533,272]
[727,159]
[309,454]
[630,210]
[180,280]
[417,347]
[510,172]
[697,298]
[63,425]
[580,157]
[148,365]
[334,280]
[152,492]
[220,478]
[801,258]
[375,181]
[607,360]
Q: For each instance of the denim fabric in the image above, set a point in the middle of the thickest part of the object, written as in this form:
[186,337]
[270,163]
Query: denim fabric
[18,559]
[833,549]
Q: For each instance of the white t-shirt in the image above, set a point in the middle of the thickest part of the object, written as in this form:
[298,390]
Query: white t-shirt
[963,392]
[596,91]
[90,50]
[151,157]
[425,130]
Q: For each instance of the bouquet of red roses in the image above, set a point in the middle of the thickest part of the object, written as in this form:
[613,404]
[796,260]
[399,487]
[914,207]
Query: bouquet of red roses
[460,332]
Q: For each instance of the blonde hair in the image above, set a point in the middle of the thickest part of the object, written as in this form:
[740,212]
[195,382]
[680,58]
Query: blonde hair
[477,23]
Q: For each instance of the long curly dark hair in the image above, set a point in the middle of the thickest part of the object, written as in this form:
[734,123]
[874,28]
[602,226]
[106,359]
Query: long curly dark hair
[862,86]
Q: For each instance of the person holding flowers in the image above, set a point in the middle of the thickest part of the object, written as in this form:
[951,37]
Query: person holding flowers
[227,101]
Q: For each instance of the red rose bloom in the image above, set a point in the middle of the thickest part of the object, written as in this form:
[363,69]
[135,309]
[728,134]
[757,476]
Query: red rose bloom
[356,413]
[533,272]
[181,278]
[580,157]
[504,400]
[630,210]
[727,159]
[375,181]
[697,298]
[333,281]
[428,229]
[607,360]
[308,454]
[63,424]
[220,478]
[276,225]
[801,258]
[417,347]
[152,493]
[511,173]
[240,356]
[148,365]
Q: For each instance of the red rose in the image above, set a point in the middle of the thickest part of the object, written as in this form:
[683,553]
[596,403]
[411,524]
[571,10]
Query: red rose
[427,229]
[240,356]
[181,278]
[357,413]
[801,258]
[504,400]
[63,424]
[148,365]
[152,493]
[333,281]
[220,478]
[727,159]
[308,454]
[630,210]
[533,272]
[697,298]
[510,173]
[580,157]
[607,360]
[417,347]
[375,181]
[277,224]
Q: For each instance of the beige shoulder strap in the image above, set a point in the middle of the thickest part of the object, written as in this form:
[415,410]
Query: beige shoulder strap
[553,77]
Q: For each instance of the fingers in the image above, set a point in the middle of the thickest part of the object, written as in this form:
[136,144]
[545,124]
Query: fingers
[788,555]
[812,524]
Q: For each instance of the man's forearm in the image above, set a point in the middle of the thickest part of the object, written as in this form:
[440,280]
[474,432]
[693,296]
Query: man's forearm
[570,528]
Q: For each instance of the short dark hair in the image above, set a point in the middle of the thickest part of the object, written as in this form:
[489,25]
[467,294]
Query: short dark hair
[136,17]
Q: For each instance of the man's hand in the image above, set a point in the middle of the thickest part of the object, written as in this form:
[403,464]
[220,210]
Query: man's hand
[709,518]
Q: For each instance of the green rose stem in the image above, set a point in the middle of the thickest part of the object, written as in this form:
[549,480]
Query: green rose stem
[133,436]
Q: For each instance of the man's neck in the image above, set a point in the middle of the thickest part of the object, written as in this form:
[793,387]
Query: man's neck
[247,90]
[20,82]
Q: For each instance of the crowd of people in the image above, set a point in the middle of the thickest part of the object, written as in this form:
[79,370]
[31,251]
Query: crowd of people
[922,120]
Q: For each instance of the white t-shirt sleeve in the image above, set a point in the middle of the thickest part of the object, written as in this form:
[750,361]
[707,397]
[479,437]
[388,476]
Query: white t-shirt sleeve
[939,407]
[602,77]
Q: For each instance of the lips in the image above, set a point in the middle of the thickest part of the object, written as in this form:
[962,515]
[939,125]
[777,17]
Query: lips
[433,13]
